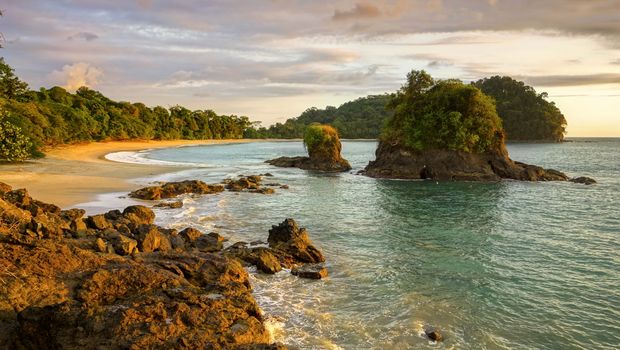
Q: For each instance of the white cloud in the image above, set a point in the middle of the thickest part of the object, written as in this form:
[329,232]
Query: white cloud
[76,75]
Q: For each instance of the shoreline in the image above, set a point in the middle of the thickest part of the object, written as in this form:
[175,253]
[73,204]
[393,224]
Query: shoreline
[74,174]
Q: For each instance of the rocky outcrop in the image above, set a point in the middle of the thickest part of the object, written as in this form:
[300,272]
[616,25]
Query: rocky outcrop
[289,247]
[583,180]
[308,163]
[397,162]
[250,184]
[173,189]
[117,281]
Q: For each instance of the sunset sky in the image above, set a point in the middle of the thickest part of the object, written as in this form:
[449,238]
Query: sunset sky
[270,60]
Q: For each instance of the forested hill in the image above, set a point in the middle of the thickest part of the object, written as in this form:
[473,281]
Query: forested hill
[525,114]
[31,120]
[362,118]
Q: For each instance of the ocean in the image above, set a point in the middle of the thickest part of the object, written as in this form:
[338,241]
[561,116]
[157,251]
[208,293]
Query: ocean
[507,265]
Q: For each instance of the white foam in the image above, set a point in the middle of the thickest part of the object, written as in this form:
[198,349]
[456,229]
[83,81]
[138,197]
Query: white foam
[141,157]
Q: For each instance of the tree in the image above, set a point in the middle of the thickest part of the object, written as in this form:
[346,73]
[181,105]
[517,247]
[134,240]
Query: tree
[444,115]
[526,115]
[14,145]
[10,85]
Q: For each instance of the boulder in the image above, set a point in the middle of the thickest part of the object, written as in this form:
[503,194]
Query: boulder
[139,215]
[150,239]
[124,245]
[98,222]
[170,205]
[263,190]
[266,261]
[311,271]
[583,180]
[4,188]
[288,238]
[190,234]
[433,334]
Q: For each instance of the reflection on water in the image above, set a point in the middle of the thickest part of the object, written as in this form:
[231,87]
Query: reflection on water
[493,265]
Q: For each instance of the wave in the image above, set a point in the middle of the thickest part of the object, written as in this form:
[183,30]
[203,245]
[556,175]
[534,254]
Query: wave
[141,157]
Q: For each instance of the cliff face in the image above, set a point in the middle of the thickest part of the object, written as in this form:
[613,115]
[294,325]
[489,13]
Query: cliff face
[399,162]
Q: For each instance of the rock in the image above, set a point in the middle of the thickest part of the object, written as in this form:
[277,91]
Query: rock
[266,261]
[177,242]
[4,188]
[311,271]
[308,164]
[433,334]
[19,198]
[113,215]
[206,243]
[190,234]
[73,214]
[267,174]
[124,245]
[290,239]
[395,161]
[170,205]
[263,190]
[139,215]
[583,180]
[150,239]
[100,245]
[173,189]
[251,182]
[284,187]
[98,222]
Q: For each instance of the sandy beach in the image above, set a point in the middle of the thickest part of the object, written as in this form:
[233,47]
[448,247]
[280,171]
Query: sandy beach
[74,174]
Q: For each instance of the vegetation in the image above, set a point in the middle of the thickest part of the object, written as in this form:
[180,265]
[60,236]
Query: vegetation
[14,145]
[361,118]
[322,142]
[526,115]
[444,114]
[54,116]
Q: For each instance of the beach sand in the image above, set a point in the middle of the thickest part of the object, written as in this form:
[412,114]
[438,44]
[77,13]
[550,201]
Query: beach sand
[74,174]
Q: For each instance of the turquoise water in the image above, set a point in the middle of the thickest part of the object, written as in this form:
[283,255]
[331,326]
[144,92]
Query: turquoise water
[509,265]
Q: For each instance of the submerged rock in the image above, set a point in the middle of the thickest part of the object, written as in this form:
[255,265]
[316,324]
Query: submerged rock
[311,271]
[583,180]
[433,334]
[170,205]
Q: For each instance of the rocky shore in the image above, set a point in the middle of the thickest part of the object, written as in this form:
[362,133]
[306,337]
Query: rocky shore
[307,163]
[398,162]
[118,281]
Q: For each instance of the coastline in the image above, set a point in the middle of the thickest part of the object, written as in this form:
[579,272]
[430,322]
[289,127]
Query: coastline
[74,174]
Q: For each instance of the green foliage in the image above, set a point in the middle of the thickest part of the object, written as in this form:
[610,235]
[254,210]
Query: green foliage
[526,115]
[444,115]
[322,141]
[14,145]
[10,85]
[362,118]
[55,116]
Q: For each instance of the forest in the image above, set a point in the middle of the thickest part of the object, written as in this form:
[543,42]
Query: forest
[33,120]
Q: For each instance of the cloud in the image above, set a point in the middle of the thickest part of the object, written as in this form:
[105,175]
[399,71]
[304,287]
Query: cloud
[360,11]
[83,35]
[572,80]
[76,75]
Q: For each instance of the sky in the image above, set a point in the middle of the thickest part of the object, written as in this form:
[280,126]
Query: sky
[271,60]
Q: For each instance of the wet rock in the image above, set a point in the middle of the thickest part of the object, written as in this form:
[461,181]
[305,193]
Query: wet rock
[251,182]
[263,190]
[114,215]
[266,261]
[173,189]
[287,237]
[267,174]
[170,205]
[311,271]
[206,243]
[433,334]
[583,180]
[284,187]
[139,215]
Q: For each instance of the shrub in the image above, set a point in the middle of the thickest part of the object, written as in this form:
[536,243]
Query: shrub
[322,142]
[14,145]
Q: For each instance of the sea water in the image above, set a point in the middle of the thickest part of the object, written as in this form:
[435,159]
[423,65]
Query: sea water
[506,265]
